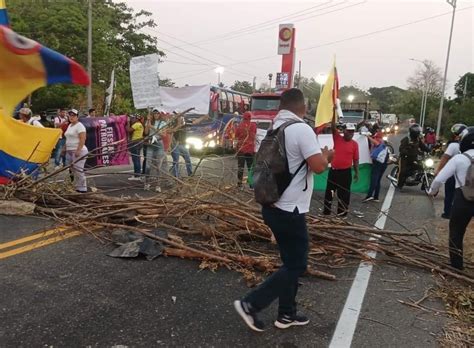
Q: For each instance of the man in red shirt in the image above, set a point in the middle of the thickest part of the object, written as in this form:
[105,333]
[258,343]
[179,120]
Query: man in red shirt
[346,155]
[245,135]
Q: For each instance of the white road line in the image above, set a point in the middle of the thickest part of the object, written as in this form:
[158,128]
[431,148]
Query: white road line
[347,323]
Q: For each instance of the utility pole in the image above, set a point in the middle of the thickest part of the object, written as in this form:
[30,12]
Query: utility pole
[270,76]
[254,83]
[89,54]
[299,74]
[440,114]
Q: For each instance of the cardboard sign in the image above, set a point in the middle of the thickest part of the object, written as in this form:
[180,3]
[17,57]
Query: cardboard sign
[144,80]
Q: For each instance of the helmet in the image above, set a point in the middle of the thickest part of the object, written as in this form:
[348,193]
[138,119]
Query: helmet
[458,128]
[467,139]
[414,131]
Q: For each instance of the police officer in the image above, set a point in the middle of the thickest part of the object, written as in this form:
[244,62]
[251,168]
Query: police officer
[410,147]
[451,151]
[463,208]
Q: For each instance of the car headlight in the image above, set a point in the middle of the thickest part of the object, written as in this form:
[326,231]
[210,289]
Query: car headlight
[212,143]
[429,163]
[210,135]
[195,142]
[385,138]
[396,127]
[387,130]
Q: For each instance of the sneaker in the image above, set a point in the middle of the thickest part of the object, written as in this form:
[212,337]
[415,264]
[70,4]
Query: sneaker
[146,187]
[57,167]
[286,321]
[158,189]
[134,178]
[367,199]
[376,200]
[244,310]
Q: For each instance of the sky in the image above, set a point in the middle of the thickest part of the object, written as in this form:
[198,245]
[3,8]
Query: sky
[372,40]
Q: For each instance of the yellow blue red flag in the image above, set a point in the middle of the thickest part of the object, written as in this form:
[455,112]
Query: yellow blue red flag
[25,66]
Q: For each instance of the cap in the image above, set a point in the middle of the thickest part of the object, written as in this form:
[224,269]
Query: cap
[25,111]
[350,127]
[156,110]
[73,111]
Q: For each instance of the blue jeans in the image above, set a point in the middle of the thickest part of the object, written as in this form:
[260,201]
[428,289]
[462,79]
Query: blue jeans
[291,234]
[377,173]
[155,158]
[58,158]
[181,150]
[136,152]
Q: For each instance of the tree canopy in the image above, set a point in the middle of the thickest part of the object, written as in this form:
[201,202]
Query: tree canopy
[242,86]
[62,26]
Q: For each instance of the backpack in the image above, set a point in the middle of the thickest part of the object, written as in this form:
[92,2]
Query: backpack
[379,153]
[271,175]
[468,188]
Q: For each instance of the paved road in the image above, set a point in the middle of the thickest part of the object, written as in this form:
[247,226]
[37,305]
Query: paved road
[71,294]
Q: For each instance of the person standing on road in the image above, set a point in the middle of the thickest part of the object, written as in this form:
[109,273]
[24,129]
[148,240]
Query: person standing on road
[76,150]
[346,155]
[410,148]
[60,121]
[430,138]
[379,155]
[461,167]
[245,134]
[155,152]
[179,149]
[450,185]
[135,129]
[286,219]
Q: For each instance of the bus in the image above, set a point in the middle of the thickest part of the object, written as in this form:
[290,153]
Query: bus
[215,130]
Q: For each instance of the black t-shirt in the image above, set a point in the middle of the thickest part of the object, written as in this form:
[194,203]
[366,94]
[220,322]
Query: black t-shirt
[179,137]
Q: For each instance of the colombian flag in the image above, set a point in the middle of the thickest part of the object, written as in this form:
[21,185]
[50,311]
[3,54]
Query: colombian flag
[327,100]
[25,66]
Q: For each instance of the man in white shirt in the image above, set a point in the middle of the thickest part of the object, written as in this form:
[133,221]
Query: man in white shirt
[462,210]
[451,151]
[26,117]
[286,219]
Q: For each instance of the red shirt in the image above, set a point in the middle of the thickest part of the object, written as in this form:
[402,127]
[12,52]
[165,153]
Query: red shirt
[245,134]
[430,138]
[345,152]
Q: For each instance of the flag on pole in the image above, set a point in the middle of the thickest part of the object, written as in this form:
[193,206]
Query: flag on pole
[328,100]
[25,66]
[109,93]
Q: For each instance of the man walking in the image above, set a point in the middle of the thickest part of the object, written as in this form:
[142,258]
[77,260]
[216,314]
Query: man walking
[60,121]
[286,218]
[245,134]
[346,155]
[179,149]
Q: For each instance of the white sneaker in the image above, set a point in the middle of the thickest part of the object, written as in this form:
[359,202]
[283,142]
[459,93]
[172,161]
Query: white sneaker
[57,167]
[158,189]
[134,178]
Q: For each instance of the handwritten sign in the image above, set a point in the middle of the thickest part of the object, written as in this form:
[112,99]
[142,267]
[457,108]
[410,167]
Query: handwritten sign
[145,81]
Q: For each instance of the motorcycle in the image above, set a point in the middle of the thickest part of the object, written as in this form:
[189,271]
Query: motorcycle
[438,149]
[423,176]
[389,145]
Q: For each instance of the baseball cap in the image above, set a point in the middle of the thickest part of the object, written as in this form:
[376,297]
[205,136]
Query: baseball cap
[73,111]
[156,110]
[350,127]
[25,111]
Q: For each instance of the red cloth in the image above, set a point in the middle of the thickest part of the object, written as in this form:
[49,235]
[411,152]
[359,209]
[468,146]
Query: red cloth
[166,138]
[64,126]
[430,138]
[345,152]
[245,135]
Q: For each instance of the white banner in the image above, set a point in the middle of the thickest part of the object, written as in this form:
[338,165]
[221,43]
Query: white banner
[181,99]
[364,154]
[285,37]
[145,81]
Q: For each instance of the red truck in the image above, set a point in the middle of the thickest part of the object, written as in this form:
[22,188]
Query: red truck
[264,107]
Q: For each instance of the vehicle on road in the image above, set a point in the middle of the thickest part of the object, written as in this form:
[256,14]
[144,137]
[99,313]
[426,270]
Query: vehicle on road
[423,176]
[215,132]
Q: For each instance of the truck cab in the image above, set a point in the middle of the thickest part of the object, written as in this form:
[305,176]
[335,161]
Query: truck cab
[263,108]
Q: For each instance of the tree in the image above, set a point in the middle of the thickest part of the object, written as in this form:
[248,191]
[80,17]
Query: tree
[460,86]
[427,75]
[62,26]
[385,98]
[360,96]
[242,86]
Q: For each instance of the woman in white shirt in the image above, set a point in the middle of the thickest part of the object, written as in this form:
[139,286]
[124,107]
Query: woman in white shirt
[462,210]
[75,149]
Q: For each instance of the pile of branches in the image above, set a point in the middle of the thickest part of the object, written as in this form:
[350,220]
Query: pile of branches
[222,226]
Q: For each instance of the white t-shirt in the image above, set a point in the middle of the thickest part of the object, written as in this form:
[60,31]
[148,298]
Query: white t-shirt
[34,122]
[58,121]
[452,150]
[456,166]
[72,136]
[300,143]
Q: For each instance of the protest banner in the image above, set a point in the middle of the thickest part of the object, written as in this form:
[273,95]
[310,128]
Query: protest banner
[180,99]
[145,81]
[109,136]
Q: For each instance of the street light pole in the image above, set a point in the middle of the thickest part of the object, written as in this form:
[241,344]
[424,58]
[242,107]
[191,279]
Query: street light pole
[89,54]
[440,114]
